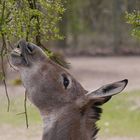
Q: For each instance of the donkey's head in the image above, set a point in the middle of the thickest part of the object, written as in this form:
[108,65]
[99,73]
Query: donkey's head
[50,87]
[53,84]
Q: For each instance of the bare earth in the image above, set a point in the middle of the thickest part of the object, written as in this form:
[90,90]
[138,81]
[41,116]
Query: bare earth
[92,72]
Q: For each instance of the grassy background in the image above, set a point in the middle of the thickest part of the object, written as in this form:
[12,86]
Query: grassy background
[121,116]
[15,116]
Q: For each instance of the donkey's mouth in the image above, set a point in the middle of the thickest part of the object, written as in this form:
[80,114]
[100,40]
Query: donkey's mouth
[19,54]
[20,49]
[16,52]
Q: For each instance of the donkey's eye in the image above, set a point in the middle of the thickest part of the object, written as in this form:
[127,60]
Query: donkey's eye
[65,81]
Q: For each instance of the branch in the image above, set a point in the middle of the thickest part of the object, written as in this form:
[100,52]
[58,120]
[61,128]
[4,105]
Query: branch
[3,71]
[25,108]
[2,55]
[11,66]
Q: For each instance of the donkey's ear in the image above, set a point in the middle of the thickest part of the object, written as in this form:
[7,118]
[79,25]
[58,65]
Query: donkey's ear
[103,94]
[108,90]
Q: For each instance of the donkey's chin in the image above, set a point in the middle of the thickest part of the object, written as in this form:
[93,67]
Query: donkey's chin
[17,60]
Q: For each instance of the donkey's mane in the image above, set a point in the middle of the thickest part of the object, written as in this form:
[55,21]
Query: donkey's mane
[92,113]
[95,117]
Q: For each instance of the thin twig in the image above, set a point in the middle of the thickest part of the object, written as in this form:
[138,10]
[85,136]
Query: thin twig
[11,66]
[5,85]
[20,113]
[25,108]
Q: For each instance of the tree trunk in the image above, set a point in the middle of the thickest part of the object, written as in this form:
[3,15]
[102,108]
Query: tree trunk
[117,32]
[63,30]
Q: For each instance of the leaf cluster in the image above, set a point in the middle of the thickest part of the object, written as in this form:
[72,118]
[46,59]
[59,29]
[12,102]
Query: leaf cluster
[134,20]
[30,18]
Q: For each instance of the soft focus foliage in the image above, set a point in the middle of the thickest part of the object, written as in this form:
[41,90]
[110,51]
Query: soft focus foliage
[30,18]
[134,20]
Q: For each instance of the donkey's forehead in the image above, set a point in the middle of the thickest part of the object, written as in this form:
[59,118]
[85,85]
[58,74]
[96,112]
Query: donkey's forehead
[53,67]
[52,70]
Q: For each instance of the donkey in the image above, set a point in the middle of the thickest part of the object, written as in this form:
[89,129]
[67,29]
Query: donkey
[69,112]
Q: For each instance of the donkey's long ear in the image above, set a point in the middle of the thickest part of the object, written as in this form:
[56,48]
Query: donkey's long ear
[104,93]
[108,90]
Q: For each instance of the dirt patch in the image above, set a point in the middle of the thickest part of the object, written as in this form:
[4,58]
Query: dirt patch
[119,138]
[8,132]
[93,72]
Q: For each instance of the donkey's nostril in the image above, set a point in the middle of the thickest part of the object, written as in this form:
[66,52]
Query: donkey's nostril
[18,46]
[30,48]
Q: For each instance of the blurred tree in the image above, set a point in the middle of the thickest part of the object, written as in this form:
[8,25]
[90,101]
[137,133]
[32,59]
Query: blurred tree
[75,20]
[92,13]
[72,21]
[117,31]
[63,28]
[96,19]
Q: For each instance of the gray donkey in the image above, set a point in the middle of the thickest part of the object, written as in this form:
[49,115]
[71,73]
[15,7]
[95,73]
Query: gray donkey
[69,112]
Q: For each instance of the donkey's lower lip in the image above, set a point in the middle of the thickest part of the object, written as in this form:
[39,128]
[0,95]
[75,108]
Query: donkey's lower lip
[16,52]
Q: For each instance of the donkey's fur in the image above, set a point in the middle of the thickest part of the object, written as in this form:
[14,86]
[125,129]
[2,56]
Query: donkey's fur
[68,111]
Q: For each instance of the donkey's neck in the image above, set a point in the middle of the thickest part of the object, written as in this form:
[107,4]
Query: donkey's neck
[64,124]
[49,123]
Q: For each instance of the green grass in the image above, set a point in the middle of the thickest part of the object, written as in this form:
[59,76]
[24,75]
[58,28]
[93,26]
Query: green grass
[121,115]
[15,116]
